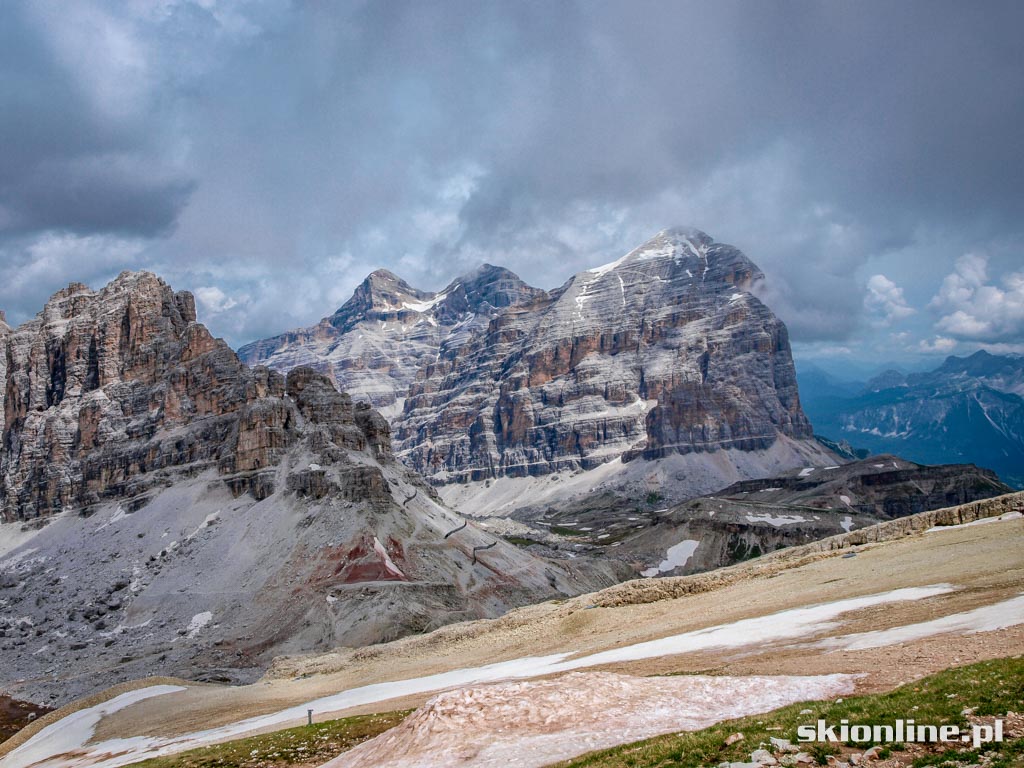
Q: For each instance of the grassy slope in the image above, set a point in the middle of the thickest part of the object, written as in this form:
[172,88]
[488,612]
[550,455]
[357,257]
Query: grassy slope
[306,745]
[994,687]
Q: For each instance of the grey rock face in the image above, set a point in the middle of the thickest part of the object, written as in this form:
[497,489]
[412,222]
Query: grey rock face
[375,344]
[108,393]
[663,351]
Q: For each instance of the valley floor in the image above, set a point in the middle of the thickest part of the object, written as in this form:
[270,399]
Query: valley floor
[871,616]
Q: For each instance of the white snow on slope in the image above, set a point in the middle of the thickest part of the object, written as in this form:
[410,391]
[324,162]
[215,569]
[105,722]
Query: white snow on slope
[424,306]
[76,729]
[119,515]
[846,523]
[784,625]
[676,557]
[776,520]
[983,521]
[532,724]
[197,623]
[1008,613]
[389,564]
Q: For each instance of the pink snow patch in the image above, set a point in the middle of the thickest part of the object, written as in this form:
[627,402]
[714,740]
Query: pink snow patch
[389,564]
[536,723]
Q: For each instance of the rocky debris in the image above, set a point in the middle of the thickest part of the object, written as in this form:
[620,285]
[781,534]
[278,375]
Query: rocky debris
[665,351]
[799,758]
[733,738]
[785,745]
[192,516]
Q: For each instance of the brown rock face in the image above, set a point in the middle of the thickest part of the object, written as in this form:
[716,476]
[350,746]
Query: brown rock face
[663,351]
[109,393]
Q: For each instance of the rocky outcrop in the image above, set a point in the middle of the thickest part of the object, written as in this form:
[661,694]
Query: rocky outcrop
[664,351]
[750,518]
[109,393]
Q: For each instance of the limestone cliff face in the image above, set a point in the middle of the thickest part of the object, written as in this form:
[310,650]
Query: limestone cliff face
[109,393]
[663,351]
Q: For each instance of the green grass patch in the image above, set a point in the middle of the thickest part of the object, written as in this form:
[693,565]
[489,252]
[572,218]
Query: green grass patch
[992,687]
[561,530]
[307,744]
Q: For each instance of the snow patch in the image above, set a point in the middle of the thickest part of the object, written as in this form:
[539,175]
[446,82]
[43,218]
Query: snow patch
[72,732]
[424,306]
[988,618]
[119,514]
[677,556]
[846,523]
[388,563]
[532,724]
[776,520]
[197,623]
[783,625]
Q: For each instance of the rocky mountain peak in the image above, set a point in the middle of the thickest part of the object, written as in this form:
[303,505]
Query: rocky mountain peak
[484,290]
[382,292]
[663,351]
[685,253]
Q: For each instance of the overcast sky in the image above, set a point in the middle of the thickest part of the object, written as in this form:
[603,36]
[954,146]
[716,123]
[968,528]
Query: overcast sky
[268,155]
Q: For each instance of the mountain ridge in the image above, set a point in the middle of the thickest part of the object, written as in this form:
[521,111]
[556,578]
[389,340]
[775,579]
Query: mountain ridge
[687,359]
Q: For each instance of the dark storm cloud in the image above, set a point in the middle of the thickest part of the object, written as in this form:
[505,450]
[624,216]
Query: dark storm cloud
[71,162]
[269,155]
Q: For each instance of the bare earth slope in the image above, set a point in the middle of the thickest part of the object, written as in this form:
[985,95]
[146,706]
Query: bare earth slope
[885,604]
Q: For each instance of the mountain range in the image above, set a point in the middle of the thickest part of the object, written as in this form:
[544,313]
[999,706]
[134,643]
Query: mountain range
[664,353]
[167,508]
[967,409]
[170,510]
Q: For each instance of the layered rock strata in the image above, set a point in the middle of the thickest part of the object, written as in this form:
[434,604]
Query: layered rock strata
[664,351]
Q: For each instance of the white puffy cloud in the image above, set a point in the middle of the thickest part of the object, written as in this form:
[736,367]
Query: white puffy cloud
[213,299]
[940,344]
[884,299]
[972,307]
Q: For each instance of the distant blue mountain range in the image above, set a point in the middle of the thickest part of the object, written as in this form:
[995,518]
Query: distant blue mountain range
[969,409]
